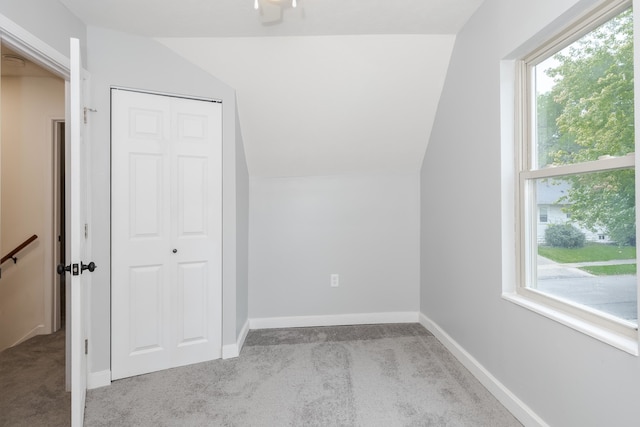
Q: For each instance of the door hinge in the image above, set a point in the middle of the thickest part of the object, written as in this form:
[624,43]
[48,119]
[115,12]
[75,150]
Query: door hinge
[86,231]
[86,346]
[88,110]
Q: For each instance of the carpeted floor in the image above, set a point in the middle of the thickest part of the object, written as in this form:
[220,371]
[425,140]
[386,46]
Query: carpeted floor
[371,375]
[32,391]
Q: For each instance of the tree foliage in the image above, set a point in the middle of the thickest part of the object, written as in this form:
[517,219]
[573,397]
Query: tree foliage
[589,113]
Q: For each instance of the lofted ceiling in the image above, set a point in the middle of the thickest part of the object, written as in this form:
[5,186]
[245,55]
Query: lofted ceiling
[238,18]
[327,88]
[330,105]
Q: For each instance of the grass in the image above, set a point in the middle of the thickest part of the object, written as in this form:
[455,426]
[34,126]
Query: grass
[589,253]
[611,270]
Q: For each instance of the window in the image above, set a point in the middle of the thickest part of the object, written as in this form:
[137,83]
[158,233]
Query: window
[576,172]
[544,214]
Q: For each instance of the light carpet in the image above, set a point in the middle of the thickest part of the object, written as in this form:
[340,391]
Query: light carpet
[367,375]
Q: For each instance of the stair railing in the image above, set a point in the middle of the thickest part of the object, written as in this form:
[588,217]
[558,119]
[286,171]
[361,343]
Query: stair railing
[12,255]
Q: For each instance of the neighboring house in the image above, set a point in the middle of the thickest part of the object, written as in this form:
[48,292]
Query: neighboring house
[551,210]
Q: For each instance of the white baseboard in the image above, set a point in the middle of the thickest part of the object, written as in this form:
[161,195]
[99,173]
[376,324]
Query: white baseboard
[233,350]
[516,406]
[38,330]
[243,335]
[98,379]
[333,320]
[230,351]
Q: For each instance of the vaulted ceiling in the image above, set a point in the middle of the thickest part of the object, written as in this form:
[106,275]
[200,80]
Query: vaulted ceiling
[238,18]
[328,87]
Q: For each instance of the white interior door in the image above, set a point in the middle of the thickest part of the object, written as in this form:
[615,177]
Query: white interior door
[77,248]
[166,232]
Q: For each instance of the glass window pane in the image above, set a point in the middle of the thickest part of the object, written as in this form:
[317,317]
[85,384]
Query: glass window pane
[586,251]
[544,213]
[584,98]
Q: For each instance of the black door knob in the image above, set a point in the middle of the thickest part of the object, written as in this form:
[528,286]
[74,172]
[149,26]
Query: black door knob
[175,251]
[91,266]
[61,269]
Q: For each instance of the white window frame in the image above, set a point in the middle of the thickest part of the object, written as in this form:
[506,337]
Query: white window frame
[610,329]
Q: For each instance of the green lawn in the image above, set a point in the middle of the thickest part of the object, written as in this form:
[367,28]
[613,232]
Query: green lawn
[611,270]
[590,252]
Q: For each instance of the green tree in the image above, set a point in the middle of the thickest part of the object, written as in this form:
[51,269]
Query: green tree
[589,113]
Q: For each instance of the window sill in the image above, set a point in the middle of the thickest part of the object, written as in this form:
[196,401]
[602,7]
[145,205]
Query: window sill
[616,340]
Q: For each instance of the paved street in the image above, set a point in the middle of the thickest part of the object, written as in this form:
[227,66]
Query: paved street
[612,294]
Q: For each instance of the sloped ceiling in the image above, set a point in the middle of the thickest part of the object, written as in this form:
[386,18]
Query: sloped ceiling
[237,18]
[329,105]
[329,87]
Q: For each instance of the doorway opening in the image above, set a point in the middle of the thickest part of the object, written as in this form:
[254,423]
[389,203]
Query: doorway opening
[32,170]
[32,164]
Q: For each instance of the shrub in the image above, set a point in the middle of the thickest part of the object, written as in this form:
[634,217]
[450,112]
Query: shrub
[564,236]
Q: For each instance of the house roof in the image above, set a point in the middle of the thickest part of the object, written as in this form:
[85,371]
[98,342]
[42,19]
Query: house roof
[550,191]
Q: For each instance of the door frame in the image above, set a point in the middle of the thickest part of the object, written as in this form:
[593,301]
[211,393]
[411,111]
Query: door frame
[52,297]
[36,50]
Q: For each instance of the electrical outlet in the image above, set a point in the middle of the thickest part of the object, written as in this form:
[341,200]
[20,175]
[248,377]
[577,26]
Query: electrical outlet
[335,280]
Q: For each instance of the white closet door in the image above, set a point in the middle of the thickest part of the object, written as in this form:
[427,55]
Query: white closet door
[166,232]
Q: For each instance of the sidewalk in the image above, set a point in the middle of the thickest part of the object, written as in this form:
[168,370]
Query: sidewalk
[597,263]
[548,269]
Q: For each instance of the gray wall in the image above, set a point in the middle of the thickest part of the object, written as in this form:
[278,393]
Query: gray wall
[363,227]
[567,378]
[242,232]
[48,20]
[117,59]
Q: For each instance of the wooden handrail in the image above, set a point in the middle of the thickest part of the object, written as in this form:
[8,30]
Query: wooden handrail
[21,246]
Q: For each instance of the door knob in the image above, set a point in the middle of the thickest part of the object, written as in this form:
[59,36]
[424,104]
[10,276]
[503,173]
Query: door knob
[91,266]
[175,251]
[61,269]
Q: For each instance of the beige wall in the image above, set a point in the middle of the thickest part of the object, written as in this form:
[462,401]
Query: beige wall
[29,105]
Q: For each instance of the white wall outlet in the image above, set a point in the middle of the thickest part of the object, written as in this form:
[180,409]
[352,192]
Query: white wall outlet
[335,280]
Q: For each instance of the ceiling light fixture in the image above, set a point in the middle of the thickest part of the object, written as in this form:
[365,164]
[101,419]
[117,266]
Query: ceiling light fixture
[256,3]
[13,60]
